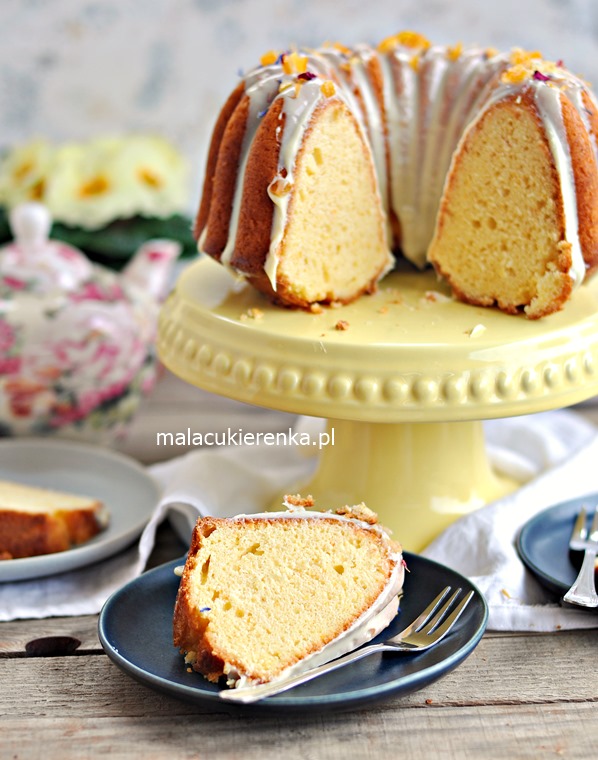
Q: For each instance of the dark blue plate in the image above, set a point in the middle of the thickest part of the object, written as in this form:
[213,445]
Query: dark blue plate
[543,544]
[135,629]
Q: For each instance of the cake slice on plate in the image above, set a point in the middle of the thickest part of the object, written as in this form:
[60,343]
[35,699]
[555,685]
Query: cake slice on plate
[266,596]
[40,521]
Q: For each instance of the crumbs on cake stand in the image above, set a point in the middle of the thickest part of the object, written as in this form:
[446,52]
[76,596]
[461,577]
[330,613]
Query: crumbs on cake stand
[252,313]
[434,296]
[342,324]
[476,331]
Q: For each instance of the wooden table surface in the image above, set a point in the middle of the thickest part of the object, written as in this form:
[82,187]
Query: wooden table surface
[516,696]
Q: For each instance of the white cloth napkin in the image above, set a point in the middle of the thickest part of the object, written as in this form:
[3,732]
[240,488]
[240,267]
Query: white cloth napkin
[555,452]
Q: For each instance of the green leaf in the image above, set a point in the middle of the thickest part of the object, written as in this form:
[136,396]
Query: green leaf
[116,243]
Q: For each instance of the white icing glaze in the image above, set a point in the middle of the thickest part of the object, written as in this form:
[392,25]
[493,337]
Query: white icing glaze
[548,102]
[426,111]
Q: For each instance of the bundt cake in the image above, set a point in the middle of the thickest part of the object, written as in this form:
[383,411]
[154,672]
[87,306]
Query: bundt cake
[481,163]
[266,596]
[39,521]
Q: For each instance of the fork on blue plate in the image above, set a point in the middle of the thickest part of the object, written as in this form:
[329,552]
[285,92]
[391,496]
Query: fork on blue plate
[583,591]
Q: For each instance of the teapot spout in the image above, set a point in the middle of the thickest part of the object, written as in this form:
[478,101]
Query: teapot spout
[151,267]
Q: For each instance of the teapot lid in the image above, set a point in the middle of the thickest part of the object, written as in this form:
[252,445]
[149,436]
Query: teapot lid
[35,261]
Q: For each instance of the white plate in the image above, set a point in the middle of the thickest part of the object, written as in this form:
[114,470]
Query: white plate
[128,492]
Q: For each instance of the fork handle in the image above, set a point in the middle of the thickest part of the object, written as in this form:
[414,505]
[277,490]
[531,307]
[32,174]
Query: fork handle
[261,691]
[583,590]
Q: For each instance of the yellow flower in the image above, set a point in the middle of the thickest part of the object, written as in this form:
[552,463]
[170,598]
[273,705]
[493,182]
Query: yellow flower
[153,172]
[83,189]
[91,184]
[23,173]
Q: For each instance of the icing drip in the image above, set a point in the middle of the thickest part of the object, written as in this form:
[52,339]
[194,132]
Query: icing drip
[375,123]
[548,101]
[404,150]
[260,94]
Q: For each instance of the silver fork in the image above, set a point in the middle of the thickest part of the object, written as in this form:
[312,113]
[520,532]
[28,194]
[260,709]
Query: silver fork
[583,591]
[432,625]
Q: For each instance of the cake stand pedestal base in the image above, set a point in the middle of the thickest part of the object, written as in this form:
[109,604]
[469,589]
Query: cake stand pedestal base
[418,477]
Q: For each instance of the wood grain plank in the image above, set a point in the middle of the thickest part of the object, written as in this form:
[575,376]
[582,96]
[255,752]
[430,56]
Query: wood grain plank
[548,669]
[15,634]
[493,732]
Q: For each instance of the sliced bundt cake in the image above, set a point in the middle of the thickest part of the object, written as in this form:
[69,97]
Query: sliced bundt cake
[483,163]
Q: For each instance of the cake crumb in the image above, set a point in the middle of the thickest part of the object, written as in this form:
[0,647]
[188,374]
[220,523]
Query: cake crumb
[475,331]
[429,701]
[316,308]
[342,324]
[504,592]
[335,304]
[297,501]
[383,310]
[252,313]
[433,296]
[359,512]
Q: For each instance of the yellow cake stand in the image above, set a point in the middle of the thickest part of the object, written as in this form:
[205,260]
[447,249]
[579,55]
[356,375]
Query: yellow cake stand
[405,378]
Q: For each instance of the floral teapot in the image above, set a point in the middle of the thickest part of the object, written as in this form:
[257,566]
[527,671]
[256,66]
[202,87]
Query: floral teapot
[76,340]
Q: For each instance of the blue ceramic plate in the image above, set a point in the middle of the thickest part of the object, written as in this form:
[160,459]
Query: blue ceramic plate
[543,544]
[135,629]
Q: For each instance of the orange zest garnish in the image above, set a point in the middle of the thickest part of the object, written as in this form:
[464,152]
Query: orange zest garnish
[453,53]
[524,57]
[269,58]
[328,88]
[293,63]
[515,74]
[342,48]
[407,39]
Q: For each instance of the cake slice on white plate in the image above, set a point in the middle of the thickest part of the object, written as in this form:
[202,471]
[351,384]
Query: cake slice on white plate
[37,521]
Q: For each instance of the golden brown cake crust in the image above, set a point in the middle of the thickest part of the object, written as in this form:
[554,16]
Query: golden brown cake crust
[216,141]
[25,534]
[585,170]
[188,624]
[255,220]
[225,177]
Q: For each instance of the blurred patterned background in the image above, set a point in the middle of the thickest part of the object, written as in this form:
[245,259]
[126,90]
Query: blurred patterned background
[73,69]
